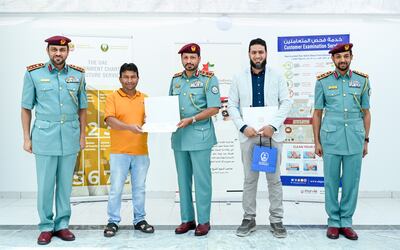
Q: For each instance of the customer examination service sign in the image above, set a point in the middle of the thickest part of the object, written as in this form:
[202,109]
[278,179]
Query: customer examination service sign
[101,57]
[302,58]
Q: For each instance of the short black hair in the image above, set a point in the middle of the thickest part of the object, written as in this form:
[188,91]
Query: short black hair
[258,41]
[128,67]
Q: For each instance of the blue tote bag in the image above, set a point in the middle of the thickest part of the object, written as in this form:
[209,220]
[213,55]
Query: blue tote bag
[264,158]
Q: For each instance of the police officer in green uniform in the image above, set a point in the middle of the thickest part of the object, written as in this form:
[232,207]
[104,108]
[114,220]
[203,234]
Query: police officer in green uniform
[57,93]
[342,138]
[199,100]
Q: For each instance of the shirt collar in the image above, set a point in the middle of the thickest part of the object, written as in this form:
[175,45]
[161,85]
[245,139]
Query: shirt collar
[51,67]
[123,94]
[196,74]
[259,74]
[349,73]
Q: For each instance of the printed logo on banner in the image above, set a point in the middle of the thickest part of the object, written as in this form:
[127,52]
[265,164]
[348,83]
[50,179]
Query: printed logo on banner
[104,47]
[71,46]
[207,67]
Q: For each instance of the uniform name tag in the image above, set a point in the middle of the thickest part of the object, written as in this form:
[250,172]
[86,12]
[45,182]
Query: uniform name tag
[332,87]
[45,80]
[354,84]
[71,79]
[196,84]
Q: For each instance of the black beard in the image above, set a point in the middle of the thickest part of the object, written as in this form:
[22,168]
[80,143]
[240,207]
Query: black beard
[258,65]
[343,69]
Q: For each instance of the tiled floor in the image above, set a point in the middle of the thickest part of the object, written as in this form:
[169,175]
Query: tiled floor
[376,220]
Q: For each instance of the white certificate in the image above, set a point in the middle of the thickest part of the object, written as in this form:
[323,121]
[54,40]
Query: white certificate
[258,117]
[162,114]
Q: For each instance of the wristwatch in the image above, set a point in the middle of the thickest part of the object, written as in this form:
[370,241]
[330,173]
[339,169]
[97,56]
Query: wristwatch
[367,139]
[194,119]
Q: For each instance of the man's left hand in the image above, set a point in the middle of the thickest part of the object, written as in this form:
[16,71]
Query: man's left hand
[184,122]
[266,131]
[82,142]
[365,149]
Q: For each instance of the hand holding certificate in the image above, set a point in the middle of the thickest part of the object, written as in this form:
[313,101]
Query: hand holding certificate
[162,114]
[258,117]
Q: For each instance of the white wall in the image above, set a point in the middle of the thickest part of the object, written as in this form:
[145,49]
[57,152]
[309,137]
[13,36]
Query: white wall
[376,52]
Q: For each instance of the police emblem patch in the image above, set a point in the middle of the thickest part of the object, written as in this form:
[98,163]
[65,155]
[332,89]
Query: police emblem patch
[215,90]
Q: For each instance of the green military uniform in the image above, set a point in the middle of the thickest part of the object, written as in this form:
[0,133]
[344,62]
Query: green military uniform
[342,137]
[57,97]
[192,144]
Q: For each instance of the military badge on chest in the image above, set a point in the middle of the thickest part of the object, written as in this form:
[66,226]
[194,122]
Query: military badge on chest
[197,84]
[71,79]
[354,84]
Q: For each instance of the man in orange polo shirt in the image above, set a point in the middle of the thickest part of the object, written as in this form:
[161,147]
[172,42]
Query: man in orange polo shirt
[125,115]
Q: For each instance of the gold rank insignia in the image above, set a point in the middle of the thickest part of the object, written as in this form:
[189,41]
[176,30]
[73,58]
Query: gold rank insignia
[324,75]
[35,66]
[360,73]
[333,87]
[206,73]
[80,69]
[178,74]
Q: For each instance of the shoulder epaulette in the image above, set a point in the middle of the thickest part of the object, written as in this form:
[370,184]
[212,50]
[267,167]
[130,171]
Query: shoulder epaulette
[35,66]
[206,73]
[77,68]
[360,73]
[178,74]
[324,75]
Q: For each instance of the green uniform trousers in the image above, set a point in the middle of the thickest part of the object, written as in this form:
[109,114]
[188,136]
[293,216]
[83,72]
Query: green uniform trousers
[345,168]
[54,172]
[196,164]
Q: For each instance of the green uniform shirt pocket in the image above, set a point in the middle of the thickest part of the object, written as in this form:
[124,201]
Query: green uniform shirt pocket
[73,87]
[42,124]
[328,134]
[44,89]
[332,93]
[202,130]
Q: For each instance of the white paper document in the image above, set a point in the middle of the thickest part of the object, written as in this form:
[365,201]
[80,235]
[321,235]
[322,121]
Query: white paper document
[162,114]
[258,117]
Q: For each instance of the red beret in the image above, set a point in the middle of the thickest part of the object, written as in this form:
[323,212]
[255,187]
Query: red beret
[58,40]
[190,48]
[341,47]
